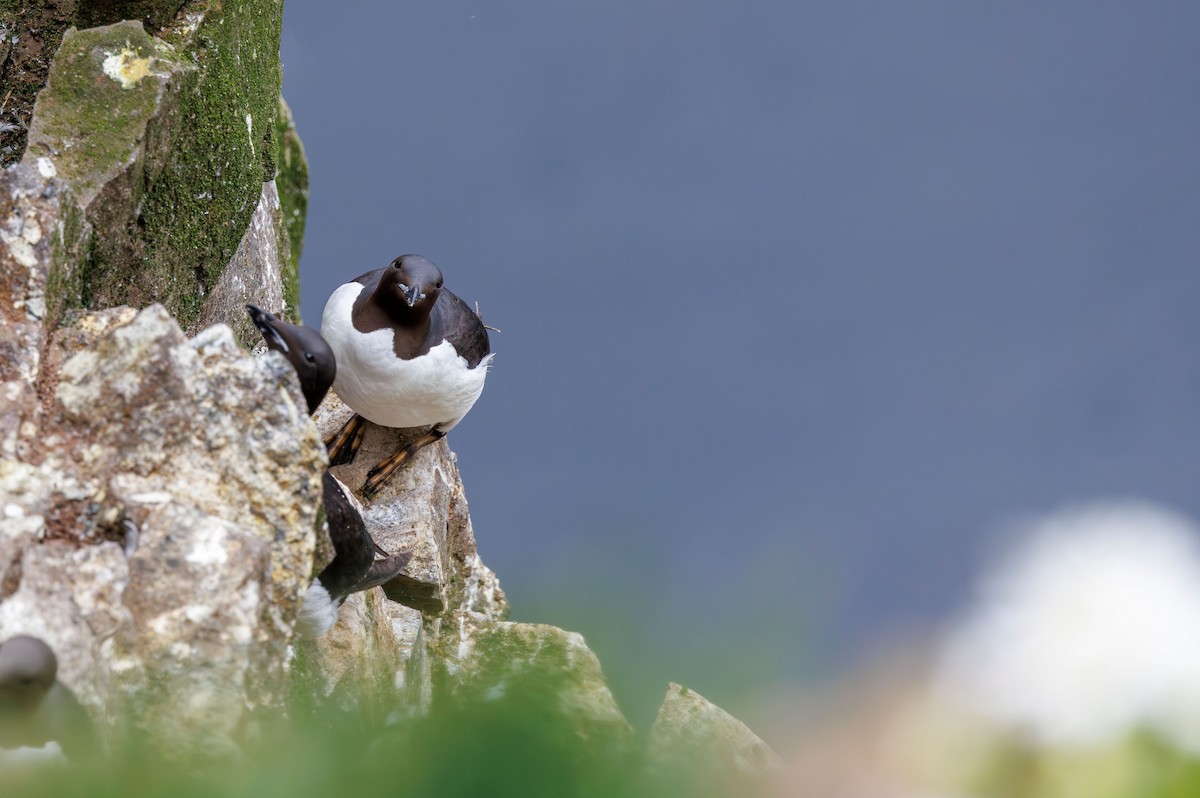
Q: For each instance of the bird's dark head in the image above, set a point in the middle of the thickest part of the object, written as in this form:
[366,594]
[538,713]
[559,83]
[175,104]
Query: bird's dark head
[27,670]
[304,348]
[413,282]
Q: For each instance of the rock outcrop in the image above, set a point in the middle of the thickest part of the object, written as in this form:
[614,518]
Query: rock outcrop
[38,226]
[444,598]
[159,495]
[490,662]
[690,729]
[160,535]
[169,146]
[159,487]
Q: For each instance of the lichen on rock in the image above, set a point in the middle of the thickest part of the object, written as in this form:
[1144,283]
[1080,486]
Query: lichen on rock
[178,484]
[166,143]
[41,234]
[105,85]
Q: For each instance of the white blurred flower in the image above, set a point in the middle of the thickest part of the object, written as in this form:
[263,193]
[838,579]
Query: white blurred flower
[1090,631]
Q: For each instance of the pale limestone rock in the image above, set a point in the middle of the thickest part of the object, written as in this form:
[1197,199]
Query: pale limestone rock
[72,599]
[209,454]
[255,273]
[202,631]
[690,732]
[354,665]
[39,231]
[423,510]
[213,428]
[415,680]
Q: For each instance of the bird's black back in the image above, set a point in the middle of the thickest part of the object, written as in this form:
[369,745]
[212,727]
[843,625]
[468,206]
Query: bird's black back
[455,321]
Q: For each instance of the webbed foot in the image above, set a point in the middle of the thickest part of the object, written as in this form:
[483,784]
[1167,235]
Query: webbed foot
[378,476]
[343,445]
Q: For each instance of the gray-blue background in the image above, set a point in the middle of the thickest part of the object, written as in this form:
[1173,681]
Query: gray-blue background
[798,300]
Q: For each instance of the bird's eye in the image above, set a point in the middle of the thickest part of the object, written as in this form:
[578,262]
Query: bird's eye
[27,680]
[309,357]
[439,284]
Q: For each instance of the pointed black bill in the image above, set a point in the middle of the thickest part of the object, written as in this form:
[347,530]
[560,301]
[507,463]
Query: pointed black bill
[265,323]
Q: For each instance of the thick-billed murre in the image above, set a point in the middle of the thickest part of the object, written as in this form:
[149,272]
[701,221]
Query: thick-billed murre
[410,354]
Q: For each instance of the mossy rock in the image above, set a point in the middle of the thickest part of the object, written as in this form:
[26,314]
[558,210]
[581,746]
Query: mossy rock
[105,87]
[291,179]
[166,143]
[540,668]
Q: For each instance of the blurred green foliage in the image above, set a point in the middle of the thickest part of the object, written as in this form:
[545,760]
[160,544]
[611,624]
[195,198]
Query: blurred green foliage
[1144,766]
[518,745]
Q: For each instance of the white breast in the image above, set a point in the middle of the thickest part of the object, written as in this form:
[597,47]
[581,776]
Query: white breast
[437,388]
[318,614]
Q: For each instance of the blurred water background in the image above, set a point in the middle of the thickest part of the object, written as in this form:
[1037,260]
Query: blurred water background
[804,305]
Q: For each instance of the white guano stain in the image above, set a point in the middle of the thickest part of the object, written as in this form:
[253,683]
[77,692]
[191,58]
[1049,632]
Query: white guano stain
[126,67]
[151,497]
[209,548]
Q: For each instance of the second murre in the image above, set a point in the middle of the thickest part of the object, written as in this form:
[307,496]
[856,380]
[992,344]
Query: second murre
[354,566]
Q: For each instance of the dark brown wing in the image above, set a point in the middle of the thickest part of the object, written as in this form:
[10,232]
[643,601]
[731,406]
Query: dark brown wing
[454,321]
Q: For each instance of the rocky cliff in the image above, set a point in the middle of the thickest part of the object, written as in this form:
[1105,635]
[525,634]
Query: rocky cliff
[160,485]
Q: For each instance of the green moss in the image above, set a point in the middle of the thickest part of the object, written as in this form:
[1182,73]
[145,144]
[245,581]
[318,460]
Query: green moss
[64,284]
[216,150]
[92,122]
[170,166]
[292,181]
[491,750]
